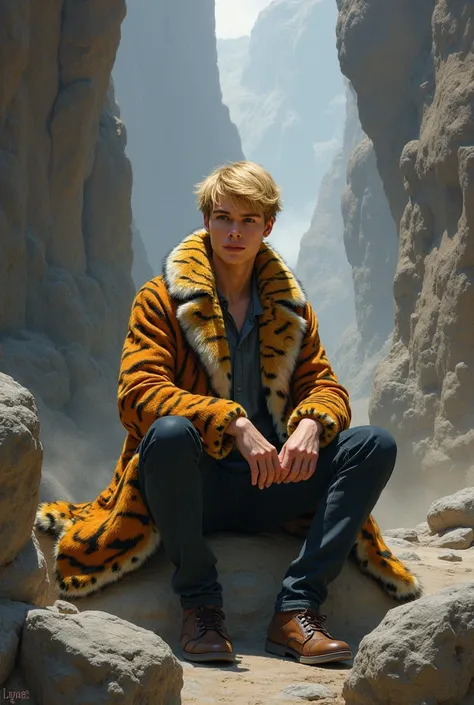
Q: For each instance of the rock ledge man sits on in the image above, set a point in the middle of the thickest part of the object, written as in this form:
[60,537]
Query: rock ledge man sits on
[236,422]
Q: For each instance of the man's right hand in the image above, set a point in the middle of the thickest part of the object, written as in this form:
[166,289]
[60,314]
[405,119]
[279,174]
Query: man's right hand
[261,456]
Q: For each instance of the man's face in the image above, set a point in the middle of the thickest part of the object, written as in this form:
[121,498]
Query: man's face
[236,231]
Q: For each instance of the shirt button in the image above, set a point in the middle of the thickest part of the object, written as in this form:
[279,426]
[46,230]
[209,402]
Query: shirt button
[239,389]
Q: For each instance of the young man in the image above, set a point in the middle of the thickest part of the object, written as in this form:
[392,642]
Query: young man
[279,448]
[235,421]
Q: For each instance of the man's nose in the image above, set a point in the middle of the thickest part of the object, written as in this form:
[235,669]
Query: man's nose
[234,230]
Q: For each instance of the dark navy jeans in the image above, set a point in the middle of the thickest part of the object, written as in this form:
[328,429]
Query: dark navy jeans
[189,494]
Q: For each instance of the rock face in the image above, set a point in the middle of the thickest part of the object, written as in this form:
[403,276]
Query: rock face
[420,653]
[348,256]
[23,570]
[454,511]
[21,456]
[93,651]
[65,215]
[411,65]
[168,89]
[12,617]
[289,129]
[322,266]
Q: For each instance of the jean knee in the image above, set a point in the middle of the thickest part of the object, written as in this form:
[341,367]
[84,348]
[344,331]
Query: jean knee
[384,446]
[170,438]
[378,445]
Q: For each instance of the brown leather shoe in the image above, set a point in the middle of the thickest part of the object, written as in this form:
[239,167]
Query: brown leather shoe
[301,634]
[204,636]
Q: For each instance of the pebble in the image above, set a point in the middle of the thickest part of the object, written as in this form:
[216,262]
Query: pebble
[402,534]
[307,691]
[409,556]
[449,556]
[396,543]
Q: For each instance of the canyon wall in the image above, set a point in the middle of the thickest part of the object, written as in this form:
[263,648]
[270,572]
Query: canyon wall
[285,92]
[167,84]
[347,260]
[65,221]
[412,66]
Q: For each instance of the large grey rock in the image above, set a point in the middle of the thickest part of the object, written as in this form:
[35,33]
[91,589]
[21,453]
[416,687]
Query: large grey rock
[20,467]
[12,618]
[69,658]
[251,569]
[26,578]
[454,538]
[421,653]
[456,510]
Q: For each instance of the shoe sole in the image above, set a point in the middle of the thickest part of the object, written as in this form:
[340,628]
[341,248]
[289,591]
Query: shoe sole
[280,650]
[204,658]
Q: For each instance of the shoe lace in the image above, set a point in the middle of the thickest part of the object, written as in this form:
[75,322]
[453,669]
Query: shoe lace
[210,619]
[313,622]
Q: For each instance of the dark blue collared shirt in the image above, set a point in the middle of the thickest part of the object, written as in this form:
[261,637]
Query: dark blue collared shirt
[244,349]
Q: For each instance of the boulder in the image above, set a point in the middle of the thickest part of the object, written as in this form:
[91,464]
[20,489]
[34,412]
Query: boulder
[450,556]
[452,511]
[12,618]
[421,653]
[403,534]
[20,467]
[424,533]
[251,569]
[411,65]
[461,538]
[26,578]
[96,657]
[63,607]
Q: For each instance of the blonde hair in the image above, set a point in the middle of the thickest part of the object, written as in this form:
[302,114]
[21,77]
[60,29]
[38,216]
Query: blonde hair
[244,180]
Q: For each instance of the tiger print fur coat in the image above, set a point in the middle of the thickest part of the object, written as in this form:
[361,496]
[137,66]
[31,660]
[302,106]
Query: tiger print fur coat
[176,360]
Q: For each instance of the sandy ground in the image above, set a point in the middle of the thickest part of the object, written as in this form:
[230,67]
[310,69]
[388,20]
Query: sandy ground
[259,678]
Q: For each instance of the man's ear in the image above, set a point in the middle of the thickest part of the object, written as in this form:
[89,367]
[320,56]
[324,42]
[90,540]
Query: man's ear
[206,221]
[269,227]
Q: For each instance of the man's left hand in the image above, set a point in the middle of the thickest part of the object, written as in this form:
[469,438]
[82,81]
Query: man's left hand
[299,456]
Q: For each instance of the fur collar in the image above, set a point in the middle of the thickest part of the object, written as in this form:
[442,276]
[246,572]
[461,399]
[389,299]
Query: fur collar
[190,281]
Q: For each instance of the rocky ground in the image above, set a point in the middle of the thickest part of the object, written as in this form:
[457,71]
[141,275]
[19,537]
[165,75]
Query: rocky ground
[260,679]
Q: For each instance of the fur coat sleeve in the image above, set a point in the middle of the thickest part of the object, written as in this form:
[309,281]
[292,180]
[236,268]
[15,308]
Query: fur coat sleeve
[316,392]
[154,356]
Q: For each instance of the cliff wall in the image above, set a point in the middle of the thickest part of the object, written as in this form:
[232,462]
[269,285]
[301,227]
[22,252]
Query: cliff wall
[286,94]
[167,84]
[65,215]
[347,260]
[412,66]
